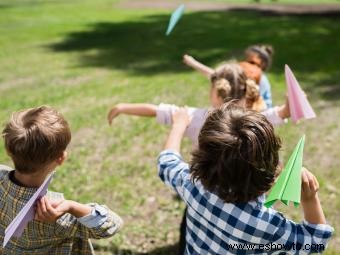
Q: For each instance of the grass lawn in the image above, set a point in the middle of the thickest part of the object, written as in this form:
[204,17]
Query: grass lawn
[82,57]
[282,1]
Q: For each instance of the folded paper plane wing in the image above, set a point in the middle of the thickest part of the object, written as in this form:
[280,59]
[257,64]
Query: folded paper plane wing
[299,106]
[175,17]
[288,186]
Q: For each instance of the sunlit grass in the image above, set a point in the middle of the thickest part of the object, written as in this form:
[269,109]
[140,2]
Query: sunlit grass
[82,57]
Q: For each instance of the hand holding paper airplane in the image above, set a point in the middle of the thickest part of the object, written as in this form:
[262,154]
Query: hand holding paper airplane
[17,226]
[288,186]
[298,103]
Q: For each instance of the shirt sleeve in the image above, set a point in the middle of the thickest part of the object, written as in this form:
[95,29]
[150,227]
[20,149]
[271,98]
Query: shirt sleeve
[101,223]
[164,113]
[273,117]
[172,170]
[303,238]
[265,90]
[164,117]
[96,218]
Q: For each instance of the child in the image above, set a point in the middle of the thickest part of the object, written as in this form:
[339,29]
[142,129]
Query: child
[262,56]
[36,140]
[228,82]
[231,170]
[258,60]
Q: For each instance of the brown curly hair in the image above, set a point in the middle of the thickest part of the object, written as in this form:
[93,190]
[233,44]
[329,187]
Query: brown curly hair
[238,154]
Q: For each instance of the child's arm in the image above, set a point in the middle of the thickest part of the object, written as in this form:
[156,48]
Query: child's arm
[309,199]
[146,110]
[277,115]
[193,63]
[78,220]
[181,119]
[172,169]
[50,211]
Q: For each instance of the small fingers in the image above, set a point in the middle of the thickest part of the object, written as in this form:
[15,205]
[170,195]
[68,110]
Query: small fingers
[317,185]
[311,181]
[56,203]
[109,117]
[304,180]
[50,210]
[38,213]
[43,206]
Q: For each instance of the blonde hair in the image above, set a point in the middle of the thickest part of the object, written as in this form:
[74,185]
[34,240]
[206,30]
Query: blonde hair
[36,137]
[253,99]
[230,83]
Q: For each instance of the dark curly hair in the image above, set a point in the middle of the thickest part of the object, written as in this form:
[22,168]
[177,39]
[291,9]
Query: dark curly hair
[238,154]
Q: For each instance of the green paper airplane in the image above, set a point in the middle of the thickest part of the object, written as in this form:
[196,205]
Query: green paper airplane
[288,186]
[175,17]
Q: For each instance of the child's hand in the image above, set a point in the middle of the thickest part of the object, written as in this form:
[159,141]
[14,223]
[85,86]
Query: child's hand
[310,186]
[187,59]
[284,111]
[181,117]
[115,111]
[49,211]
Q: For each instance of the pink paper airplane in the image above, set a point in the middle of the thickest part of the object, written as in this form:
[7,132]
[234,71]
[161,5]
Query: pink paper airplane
[17,226]
[298,103]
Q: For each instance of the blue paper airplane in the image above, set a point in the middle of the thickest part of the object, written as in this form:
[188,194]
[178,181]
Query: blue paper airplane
[175,17]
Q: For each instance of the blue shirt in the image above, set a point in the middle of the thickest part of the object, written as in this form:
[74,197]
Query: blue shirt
[96,218]
[216,227]
[265,91]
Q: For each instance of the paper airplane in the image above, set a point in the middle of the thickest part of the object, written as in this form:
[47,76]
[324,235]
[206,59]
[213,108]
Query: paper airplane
[298,103]
[288,186]
[17,226]
[175,17]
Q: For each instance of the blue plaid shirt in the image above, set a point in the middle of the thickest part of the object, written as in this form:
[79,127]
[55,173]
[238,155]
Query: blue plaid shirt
[215,227]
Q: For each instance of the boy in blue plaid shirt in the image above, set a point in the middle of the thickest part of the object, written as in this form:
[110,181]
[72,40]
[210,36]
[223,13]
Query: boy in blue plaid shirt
[36,140]
[233,167]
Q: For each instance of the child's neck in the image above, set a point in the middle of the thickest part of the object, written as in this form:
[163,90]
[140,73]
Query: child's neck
[33,180]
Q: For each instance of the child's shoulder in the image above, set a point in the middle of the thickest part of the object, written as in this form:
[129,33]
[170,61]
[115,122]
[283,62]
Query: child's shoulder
[4,170]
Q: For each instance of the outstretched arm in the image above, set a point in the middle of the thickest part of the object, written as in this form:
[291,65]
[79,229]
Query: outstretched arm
[181,119]
[172,169]
[193,63]
[145,110]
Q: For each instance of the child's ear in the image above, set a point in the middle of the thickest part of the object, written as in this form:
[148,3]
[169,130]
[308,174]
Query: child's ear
[62,158]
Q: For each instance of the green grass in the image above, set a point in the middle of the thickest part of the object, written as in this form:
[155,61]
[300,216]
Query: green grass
[82,57]
[281,1]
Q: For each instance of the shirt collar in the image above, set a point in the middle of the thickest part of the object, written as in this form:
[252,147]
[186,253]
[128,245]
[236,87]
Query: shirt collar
[16,191]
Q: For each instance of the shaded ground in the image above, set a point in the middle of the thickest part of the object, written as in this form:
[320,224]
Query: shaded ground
[274,9]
